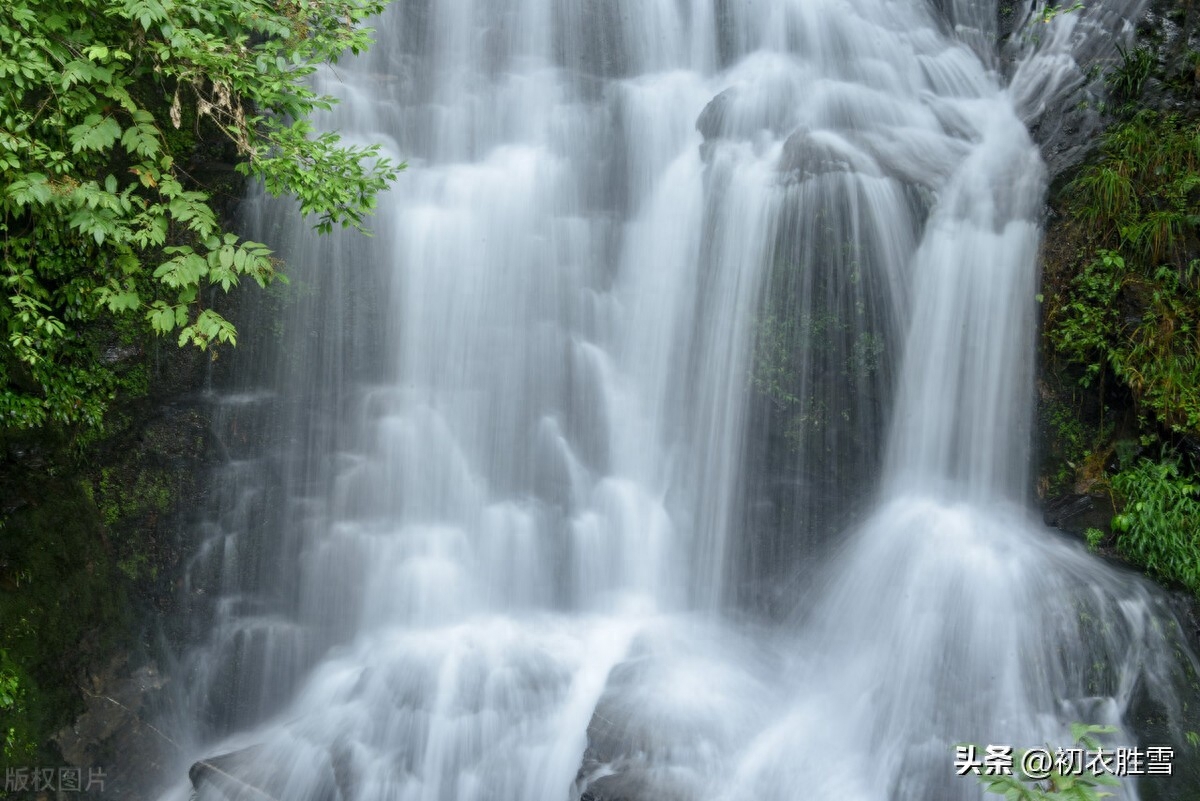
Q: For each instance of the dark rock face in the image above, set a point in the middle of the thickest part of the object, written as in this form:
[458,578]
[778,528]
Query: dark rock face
[1066,124]
[1171,31]
[254,774]
[625,787]
[1076,513]
[711,122]
[113,733]
[218,778]
[612,771]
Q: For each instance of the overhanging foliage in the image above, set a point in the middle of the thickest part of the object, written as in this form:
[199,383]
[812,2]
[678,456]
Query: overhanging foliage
[101,105]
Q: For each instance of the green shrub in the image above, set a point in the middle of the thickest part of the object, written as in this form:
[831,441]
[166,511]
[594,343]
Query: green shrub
[1159,526]
[1131,308]
[1090,322]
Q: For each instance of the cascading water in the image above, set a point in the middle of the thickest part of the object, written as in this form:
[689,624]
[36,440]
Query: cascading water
[484,527]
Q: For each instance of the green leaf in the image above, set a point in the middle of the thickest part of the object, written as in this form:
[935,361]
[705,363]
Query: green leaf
[122,301]
[141,139]
[31,189]
[162,317]
[94,133]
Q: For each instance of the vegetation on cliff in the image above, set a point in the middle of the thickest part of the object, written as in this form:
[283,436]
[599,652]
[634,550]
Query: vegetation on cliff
[1122,318]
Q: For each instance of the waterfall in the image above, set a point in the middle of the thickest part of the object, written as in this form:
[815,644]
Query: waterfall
[492,521]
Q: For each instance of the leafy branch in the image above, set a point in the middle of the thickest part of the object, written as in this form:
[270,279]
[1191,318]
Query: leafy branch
[100,104]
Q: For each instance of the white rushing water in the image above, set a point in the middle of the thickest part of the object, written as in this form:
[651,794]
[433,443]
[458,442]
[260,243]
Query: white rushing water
[484,528]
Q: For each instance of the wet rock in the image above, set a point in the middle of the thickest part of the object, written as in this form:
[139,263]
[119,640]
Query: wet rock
[711,122]
[805,156]
[612,768]
[747,112]
[623,787]
[113,735]
[628,780]
[1076,513]
[218,775]
[232,777]
[249,774]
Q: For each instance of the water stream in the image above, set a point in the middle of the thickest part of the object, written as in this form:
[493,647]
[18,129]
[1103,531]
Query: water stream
[486,530]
